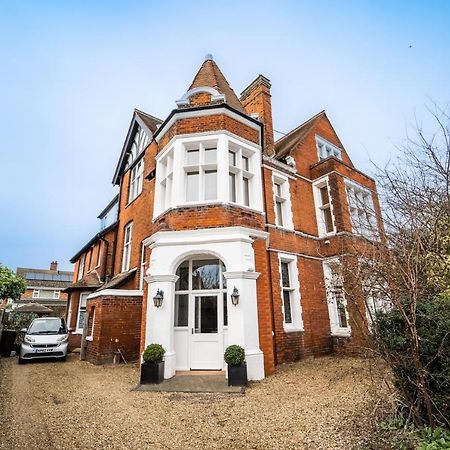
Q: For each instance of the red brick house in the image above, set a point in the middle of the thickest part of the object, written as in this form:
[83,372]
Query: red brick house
[46,287]
[223,235]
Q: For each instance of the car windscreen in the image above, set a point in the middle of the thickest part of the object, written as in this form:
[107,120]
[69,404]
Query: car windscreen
[47,326]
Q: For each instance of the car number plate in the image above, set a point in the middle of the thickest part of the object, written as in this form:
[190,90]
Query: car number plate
[43,350]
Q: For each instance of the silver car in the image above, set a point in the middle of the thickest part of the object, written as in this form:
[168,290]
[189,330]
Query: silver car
[46,337]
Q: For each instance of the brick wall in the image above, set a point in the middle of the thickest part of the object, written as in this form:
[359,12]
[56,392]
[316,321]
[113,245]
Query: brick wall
[117,325]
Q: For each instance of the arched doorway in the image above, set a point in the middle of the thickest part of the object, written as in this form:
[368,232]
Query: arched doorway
[200,314]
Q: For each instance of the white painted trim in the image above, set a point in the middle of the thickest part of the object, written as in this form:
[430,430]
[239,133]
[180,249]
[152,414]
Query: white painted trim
[161,278]
[286,206]
[77,329]
[116,293]
[246,275]
[322,141]
[215,95]
[202,113]
[184,237]
[321,226]
[302,255]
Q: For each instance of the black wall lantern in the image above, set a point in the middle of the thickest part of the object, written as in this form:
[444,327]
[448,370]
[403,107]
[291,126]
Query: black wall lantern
[158,298]
[235,296]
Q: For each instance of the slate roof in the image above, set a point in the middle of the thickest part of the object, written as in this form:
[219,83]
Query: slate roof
[119,279]
[151,122]
[210,75]
[285,144]
[45,278]
[89,281]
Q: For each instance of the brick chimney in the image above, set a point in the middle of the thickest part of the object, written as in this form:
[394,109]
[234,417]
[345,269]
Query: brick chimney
[256,100]
[54,266]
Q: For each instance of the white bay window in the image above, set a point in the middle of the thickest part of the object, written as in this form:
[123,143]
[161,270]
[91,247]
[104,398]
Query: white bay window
[217,169]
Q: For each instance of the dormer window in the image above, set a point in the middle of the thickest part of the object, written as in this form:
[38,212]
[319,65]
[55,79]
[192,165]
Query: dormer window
[325,149]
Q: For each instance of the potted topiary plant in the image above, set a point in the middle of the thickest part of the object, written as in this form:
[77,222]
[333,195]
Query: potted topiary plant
[152,369]
[237,367]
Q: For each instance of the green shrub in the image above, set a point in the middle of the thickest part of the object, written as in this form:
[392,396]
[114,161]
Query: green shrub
[153,353]
[433,325]
[234,355]
[17,320]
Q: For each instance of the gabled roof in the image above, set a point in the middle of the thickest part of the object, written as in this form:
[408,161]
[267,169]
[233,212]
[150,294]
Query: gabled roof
[210,75]
[92,241]
[285,144]
[148,123]
[119,279]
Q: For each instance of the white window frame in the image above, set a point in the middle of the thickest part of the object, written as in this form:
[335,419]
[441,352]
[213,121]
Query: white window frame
[142,271]
[330,281]
[201,168]
[325,149]
[284,200]
[136,181]
[81,267]
[360,204]
[295,296]
[99,255]
[127,240]
[171,169]
[56,294]
[79,330]
[320,214]
[35,293]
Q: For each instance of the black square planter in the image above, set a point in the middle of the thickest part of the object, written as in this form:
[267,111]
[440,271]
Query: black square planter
[237,375]
[152,373]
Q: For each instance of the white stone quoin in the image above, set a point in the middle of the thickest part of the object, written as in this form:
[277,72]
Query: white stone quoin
[233,246]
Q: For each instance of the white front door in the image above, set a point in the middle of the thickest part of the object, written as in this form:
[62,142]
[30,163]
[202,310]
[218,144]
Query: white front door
[206,331]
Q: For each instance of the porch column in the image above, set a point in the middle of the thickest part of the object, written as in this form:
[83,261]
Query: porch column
[159,326]
[243,320]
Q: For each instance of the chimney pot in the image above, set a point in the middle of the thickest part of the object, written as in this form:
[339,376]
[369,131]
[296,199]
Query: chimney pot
[54,266]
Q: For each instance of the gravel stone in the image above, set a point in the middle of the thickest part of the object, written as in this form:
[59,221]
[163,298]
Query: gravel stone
[325,403]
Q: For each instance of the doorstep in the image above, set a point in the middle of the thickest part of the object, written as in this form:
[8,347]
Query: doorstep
[193,383]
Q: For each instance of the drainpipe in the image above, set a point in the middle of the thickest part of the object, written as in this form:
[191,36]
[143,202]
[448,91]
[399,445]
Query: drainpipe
[274,333]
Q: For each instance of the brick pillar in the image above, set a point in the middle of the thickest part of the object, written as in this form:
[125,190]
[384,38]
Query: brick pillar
[256,99]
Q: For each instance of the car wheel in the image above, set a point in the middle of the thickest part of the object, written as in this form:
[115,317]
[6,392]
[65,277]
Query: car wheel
[21,360]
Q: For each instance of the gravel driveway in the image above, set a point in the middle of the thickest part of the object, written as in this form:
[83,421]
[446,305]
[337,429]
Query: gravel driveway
[327,403]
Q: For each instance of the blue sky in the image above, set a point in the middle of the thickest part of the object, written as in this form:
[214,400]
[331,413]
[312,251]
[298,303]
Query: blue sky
[72,72]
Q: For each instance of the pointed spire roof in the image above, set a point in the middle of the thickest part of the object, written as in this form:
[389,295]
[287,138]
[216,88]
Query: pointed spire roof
[210,75]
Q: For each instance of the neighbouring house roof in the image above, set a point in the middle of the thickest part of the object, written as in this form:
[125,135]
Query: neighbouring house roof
[210,75]
[90,281]
[92,241]
[149,123]
[45,278]
[34,308]
[118,280]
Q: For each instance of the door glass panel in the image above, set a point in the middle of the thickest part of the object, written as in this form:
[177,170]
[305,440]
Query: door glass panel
[225,310]
[206,274]
[181,310]
[183,274]
[205,314]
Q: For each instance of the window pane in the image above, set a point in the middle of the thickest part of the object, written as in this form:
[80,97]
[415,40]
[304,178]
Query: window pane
[205,274]
[232,187]
[192,186]
[183,274]
[206,314]
[232,158]
[210,155]
[81,319]
[245,191]
[287,307]
[324,195]
[83,298]
[46,293]
[278,191]
[192,158]
[285,274]
[225,310]
[341,311]
[328,220]
[181,310]
[245,163]
[210,184]
[279,207]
